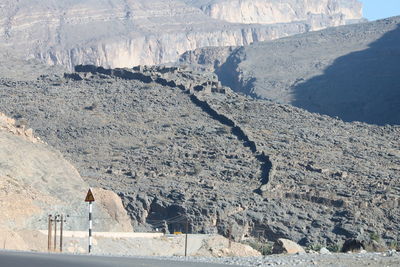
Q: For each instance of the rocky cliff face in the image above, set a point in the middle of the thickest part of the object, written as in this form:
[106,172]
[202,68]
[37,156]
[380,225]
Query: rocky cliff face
[36,180]
[121,33]
[317,13]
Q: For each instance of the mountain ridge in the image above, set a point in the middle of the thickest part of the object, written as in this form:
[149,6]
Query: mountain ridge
[120,33]
[348,71]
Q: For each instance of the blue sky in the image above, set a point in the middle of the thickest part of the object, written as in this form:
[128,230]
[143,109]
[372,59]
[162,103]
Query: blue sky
[378,9]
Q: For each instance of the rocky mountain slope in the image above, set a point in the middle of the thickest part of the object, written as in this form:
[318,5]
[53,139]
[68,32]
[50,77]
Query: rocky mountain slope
[176,143]
[125,33]
[350,71]
[36,181]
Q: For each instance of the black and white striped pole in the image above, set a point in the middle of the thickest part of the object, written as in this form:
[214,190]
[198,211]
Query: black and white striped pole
[90,226]
[90,198]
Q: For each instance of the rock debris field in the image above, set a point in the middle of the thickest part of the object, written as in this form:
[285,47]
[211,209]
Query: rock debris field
[173,142]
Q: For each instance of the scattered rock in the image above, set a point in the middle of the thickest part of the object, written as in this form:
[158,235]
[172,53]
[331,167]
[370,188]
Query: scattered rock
[391,253]
[214,141]
[73,76]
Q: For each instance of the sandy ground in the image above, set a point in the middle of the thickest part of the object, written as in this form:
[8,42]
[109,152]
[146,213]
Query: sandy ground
[126,244]
[168,245]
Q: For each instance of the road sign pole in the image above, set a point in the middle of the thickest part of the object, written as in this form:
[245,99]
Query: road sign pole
[186,237]
[230,235]
[49,233]
[90,226]
[61,232]
[90,198]
[55,232]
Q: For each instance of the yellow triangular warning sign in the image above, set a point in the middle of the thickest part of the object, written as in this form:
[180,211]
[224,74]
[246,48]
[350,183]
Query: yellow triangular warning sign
[89,196]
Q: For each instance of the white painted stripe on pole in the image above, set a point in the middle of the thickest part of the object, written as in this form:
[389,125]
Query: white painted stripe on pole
[90,226]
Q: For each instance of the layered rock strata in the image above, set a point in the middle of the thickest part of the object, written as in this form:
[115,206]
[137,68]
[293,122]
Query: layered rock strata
[121,33]
[315,12]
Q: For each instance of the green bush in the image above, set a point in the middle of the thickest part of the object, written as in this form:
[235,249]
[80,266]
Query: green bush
[394,245]
[335,248]
[374,237]
[314,247]
[265,248]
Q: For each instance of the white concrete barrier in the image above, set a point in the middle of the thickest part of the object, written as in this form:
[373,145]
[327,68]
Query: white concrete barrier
[83,234]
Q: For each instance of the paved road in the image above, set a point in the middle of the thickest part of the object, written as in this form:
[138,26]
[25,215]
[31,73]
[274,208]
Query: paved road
[26,259]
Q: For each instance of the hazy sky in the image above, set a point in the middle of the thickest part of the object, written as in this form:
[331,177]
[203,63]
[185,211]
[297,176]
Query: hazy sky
[378,9]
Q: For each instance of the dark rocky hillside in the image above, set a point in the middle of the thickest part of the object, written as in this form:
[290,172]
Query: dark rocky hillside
[172,142]
[351,72]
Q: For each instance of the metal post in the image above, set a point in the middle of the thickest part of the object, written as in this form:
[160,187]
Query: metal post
[261,242]
[186,237]
[61,232]
[90,198]
[49,233]
[230,235]
[262,247]
[55,232]
[90,226]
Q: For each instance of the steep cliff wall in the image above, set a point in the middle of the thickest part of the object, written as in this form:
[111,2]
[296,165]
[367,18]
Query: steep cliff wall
[160,48]
[123,33]
[335,12]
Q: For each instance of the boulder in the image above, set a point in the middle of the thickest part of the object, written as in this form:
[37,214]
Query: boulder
[324,251]
[73,76]
[112,204]
[287,247]
[352,245]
